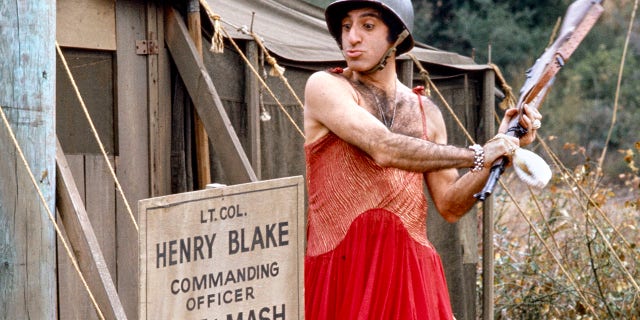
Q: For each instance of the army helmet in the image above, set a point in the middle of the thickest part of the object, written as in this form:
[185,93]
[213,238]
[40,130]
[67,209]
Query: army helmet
[398,13]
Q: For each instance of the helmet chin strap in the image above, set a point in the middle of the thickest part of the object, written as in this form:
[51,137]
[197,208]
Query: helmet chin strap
[383,61]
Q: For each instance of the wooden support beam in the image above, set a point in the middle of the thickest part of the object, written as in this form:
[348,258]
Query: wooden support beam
[158,70]
[488,103]
[27,97]
[84,241]
[132,159]
[252,99]
[206,100]
[202,139]
[405,72]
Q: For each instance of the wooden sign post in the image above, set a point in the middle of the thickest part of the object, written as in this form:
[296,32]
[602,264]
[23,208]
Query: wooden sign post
[232,253]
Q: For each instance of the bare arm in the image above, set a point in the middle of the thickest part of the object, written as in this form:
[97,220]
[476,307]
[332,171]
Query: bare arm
[453,194]
[330,105]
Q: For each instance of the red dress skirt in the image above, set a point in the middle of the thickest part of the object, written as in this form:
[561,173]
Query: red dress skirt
[367,253]
[376,272]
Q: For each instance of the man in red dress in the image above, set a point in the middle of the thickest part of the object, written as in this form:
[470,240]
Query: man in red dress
[370,142]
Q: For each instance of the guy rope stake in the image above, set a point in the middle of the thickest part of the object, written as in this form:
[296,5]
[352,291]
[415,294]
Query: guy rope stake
[580,17]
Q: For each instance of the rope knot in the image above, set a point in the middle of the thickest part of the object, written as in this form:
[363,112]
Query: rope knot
[217,41]
[509,98]
[276,69]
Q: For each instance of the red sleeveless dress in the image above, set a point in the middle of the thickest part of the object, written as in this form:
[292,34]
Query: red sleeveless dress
[368,256]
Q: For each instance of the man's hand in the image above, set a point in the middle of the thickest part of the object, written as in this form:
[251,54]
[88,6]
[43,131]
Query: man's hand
[499,146]
[530,120]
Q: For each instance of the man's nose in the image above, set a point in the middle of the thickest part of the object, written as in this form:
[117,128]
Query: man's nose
[353,36]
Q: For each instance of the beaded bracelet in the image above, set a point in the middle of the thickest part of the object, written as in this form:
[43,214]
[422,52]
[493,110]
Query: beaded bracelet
[478,158]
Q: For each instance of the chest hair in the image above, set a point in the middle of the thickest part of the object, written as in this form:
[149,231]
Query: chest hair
[400,112]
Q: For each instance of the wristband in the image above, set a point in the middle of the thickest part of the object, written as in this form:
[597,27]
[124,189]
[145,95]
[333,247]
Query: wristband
[478,157]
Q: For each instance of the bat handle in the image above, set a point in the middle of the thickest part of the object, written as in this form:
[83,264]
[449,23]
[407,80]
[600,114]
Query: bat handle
[496,171]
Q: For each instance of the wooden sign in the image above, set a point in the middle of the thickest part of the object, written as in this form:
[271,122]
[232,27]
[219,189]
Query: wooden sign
[232,253]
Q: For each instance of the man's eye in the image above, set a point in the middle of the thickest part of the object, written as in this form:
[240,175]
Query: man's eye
[346,26]
[368,26]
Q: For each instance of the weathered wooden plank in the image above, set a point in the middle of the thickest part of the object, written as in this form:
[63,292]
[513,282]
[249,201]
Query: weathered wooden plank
[179,163]
[202,139]
[101,206]
[405,72]
[488,103]
[75,303]
[163,157]
[132,162]
[206,100]
[252,99]
[89,24]
[27,97]
[84,242]
[159,107]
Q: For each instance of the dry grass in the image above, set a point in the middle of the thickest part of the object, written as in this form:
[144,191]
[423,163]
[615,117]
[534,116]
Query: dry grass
[570,251]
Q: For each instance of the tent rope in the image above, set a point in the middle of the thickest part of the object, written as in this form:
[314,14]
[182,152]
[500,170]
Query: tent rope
[217,40]
[279,70]
[276,69]
[509,100]
[67,249]
[282,108]
[97,137]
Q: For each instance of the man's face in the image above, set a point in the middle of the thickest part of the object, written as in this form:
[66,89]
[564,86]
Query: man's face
[364,38]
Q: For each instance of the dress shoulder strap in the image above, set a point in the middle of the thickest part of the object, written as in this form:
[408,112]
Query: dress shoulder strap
[419,91]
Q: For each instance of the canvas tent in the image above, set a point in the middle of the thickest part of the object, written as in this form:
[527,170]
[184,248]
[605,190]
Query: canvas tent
[297,32]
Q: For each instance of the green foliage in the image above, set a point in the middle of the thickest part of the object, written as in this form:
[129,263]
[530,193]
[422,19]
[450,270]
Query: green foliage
[516,31]
[580,107]
[582,104]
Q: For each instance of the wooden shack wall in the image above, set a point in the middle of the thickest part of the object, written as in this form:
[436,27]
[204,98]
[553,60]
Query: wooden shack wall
[281,143]
[127,95]
[93,73]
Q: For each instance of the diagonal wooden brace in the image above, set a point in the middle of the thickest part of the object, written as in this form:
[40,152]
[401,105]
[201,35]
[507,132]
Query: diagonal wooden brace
[206,100]
[84,241]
